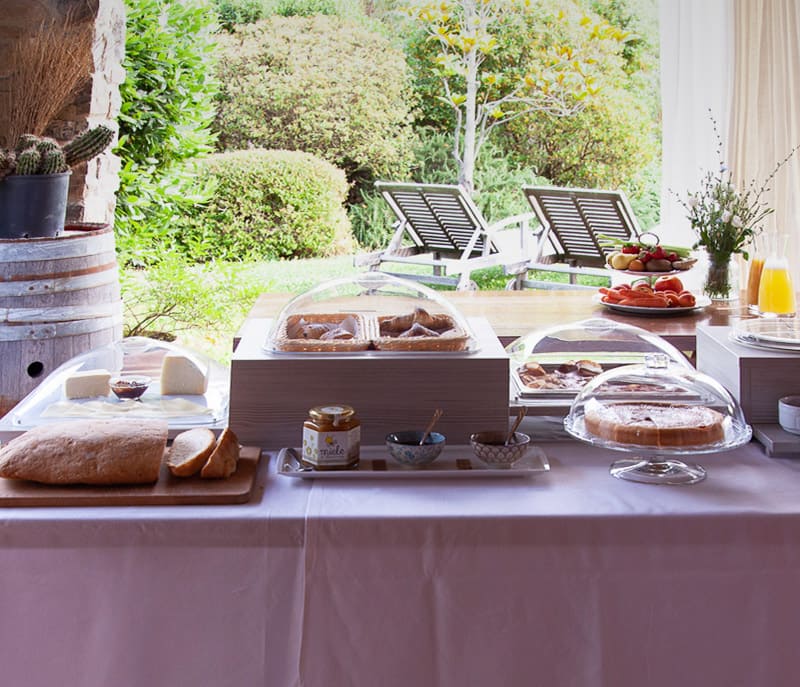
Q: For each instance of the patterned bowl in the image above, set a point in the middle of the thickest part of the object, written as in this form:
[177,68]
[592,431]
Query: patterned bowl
[405,449]
[491,449]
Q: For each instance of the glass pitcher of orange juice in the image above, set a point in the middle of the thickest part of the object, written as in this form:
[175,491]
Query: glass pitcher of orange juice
[776,297]
[755,267]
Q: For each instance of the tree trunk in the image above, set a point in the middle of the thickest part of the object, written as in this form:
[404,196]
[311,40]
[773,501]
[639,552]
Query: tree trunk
[467,176]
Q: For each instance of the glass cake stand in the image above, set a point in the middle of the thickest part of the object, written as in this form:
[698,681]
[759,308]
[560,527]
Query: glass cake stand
[661,382]
[662,465]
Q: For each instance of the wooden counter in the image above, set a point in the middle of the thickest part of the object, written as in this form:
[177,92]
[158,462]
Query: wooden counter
[515,313]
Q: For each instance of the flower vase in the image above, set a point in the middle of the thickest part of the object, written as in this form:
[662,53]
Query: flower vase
[722,278]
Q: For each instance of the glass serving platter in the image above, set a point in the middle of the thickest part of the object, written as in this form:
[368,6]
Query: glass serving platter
[780,331]
[132,356]
[456,462]
[602,342]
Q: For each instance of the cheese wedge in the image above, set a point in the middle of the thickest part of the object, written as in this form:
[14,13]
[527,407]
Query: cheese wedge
[180,375]
[87,384]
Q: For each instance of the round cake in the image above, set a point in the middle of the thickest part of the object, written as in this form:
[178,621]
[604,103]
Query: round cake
[654,424]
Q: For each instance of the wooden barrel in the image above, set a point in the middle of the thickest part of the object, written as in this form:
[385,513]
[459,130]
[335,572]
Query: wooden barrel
[59,297]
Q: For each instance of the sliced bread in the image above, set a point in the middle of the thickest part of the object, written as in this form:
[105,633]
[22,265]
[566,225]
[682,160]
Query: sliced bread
[222,461]
[190,451]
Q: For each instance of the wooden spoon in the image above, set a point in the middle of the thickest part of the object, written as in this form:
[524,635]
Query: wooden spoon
[521,414]
[436,415]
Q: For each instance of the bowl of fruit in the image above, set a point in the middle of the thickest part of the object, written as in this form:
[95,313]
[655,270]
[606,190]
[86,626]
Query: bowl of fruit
[665,293]
[647,254]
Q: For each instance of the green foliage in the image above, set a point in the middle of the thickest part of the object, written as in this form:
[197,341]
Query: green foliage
[318,84]
[176,296]
[268,205]
[233,12]
[603,146]
[487,85]
[610,140]
[305,8]
[167,108]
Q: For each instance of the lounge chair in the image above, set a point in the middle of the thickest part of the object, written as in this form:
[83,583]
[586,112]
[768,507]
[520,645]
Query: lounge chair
[574,220]
[440,226]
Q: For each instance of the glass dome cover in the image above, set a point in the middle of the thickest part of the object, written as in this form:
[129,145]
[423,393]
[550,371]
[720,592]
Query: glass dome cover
[658,410]
[127,364]
[372,312]
[561,360]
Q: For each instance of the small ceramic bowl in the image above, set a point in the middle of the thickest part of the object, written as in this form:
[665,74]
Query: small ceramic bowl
[405,449]
[129,387]
[789,413]
[491,449]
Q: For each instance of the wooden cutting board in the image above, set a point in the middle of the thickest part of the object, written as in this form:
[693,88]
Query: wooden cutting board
[168,491]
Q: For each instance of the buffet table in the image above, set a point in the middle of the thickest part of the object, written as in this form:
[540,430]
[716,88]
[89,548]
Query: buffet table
[567,578]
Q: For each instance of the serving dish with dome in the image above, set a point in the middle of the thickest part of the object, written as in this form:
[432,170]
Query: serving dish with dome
[683,413]
[135,386]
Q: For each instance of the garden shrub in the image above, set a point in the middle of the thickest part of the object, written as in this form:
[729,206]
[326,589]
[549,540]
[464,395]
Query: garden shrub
[233,12]
[318,84]
[305,8]
[165,117]
[176,296]
[268,205]
[603,146]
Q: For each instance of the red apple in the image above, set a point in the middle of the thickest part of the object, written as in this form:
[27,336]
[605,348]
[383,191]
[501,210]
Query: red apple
[669,283]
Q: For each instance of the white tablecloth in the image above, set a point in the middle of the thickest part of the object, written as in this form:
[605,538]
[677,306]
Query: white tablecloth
[570,578]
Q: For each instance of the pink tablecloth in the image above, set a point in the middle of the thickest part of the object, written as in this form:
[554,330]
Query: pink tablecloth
[568,579]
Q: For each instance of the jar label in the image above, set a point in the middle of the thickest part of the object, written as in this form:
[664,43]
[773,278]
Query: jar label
[331,448]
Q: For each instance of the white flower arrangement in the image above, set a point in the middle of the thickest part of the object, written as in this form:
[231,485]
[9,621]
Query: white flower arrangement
[725,218]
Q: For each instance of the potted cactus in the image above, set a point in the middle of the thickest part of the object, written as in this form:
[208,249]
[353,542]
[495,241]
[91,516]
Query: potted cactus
[34,181]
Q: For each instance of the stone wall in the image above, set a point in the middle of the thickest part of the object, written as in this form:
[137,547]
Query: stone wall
[93,185]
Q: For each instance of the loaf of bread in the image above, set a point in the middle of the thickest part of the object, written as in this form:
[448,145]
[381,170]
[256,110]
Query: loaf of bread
[222,462]
[190,451]
[119,451]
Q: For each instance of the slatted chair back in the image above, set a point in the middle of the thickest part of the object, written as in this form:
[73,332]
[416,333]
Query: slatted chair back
[439,218]
[576,218]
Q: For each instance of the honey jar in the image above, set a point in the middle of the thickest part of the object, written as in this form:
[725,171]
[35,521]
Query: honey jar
[331,438]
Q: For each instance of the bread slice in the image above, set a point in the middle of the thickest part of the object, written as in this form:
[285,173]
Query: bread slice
[118,451]
[190,451]
[222,462]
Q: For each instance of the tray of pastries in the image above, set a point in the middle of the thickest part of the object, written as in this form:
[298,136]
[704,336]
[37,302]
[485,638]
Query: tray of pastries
[557,363]
[320,332]
[373,312]
[416,330]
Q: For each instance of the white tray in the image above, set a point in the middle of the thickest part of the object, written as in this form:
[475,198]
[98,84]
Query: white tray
[456,462]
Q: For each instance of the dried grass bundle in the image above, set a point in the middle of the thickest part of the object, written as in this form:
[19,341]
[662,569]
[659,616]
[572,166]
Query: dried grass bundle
[44,68]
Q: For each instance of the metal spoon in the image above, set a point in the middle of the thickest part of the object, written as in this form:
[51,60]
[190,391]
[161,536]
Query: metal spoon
[436,415]
[520,414]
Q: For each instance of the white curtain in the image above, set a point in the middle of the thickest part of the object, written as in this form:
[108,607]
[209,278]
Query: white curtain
[696,80]
[765,124]
[741,60]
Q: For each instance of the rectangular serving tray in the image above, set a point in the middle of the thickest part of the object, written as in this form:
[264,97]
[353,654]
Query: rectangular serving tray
[167,491]
[456,462]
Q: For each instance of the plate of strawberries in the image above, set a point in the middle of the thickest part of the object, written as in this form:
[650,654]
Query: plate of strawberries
[666,296]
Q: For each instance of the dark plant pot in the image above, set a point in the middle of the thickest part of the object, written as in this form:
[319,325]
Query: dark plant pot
[33,206]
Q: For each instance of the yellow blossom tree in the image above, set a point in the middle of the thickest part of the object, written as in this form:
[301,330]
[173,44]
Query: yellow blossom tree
[484,96]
